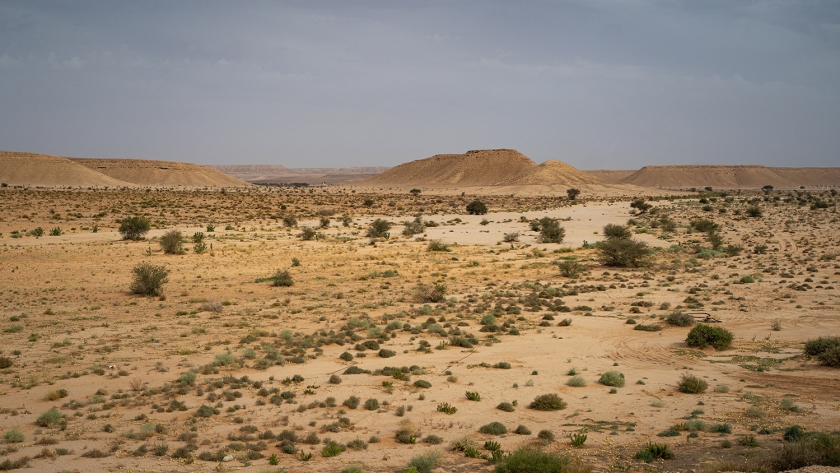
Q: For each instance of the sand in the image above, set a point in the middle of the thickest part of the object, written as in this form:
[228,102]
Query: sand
[80,318]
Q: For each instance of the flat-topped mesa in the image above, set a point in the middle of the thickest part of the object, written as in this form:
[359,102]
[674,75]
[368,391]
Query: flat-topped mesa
[747,176]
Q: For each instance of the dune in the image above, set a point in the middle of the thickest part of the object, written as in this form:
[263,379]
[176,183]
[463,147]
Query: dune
[17,168]
[142,172]
[473,168]
[699,176]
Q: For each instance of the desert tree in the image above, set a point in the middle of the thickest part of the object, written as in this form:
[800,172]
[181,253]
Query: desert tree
[640,205]
[134,228]
[379,228]
[476,207]
[551,231]
[572,193]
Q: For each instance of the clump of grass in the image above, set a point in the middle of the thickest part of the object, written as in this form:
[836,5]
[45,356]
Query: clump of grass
[548,402]
[654,451]
[533,460]
[691,384]
[424,463]
[612,378]
[437,245]
[52,418]
[506,406]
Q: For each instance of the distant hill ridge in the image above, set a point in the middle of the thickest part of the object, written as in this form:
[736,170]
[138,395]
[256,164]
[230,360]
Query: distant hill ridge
[731,176]
[475,168]
[21,168]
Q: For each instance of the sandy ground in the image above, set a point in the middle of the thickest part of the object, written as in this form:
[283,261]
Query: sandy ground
[70,323]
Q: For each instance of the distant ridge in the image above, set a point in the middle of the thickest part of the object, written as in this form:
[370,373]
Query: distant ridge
[611,175]
[473,168]
[32,169]
[279,174]
[143,172]
[556,173]
[731,177]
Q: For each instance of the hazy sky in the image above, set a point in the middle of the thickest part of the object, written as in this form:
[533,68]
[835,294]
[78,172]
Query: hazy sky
[598,84]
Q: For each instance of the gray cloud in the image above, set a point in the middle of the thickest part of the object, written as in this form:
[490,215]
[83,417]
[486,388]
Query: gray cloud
[316,83]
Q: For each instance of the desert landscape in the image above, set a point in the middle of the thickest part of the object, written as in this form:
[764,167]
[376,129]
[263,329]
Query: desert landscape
[459,313]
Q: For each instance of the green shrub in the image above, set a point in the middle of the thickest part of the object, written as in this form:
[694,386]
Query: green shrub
[493,428]
[371,404]
[522,430]
[187,378]
[307,234]
[282,278]
[571,269]
[617,232]
[422,383]
[379,228]
[351,402]
[206,411]
[576,381]
[691,384]
[353,469]
[623,252]
[149,279]
[577,439]
[476,207]
[647,328]
[170,242]
[551,231]
[721,429]
[473,396]
[5,361]
[332,449]
[826,349]
[531,460]
[425,463]
[134,228]
[680,319]
[654,451]
[506,406]
[437,245]
[548,402]
[13,436]
[794,433]
[546,435]
[612,378]
[52,418]
[704,335]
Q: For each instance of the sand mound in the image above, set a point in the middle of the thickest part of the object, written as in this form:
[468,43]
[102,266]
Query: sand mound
[718,177]
[611,175]
[810,176]
[474,168]
[141,172]
[46,170]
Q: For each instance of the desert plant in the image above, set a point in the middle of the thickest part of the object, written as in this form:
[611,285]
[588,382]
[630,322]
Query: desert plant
[754,212]
[654,451]
[379,228]
[691,384]
[532,460]
[332,449]
[52,418]
[446,408]
[704,335]
[522,430]
[149,279]
[13,436]
[476,207]
[623,252]
[613,231]
[437,245]
[546,436]
[572,193]
[433,293]
[414,227]
[612,378]
[5,362]
[577,439]
[576,381]
[551,231]
[640,205]
[506,406]
[680,319]
[571,268]
[473,396]
[307,234]
[493,428]
[548,402]
[510,237]
[351,402]
[170,242]
[424,463]
[134,228]
[826,349]
[289,221]
[282,278]
[372,404]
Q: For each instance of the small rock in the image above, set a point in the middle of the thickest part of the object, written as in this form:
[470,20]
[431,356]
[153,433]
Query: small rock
[227,458]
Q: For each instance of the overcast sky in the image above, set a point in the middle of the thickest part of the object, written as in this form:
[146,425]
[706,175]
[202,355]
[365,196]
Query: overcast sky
[598,84]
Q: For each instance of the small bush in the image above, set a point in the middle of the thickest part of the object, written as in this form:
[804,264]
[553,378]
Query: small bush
[434,293]
[170,242]
[379,228]
[335,379]
[424,463]
[531,460]
[13,436]
[826,349]
[546,435]
[383,353]
[437,245]
[548,402]
[612,378]
[476,207]
[551,231]
[617,232]
[522,430]
[372,404]
[307,234]
[691,384]
[793,433]
[473,396]
[623,252]
[134,228]
[282,278]
[52,418]
[5,362]
[493,428]
[422,383]
[352,402]
[332,449]
[571,269]
[149,279]
[576,381]
[506,406]
[577,439]
[704,335]
[680,319]
[654,451]
[721,429]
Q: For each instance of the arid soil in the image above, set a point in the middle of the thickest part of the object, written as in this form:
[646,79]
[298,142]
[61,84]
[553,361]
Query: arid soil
[228,372]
